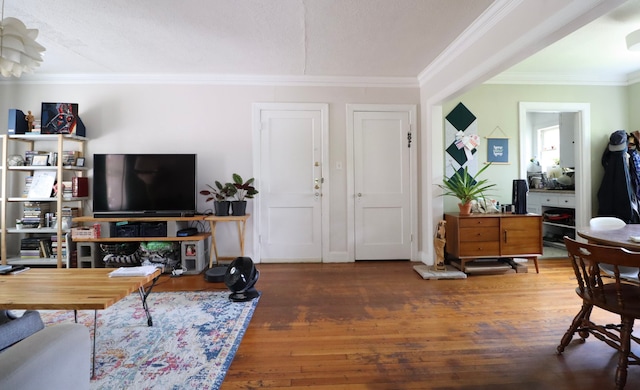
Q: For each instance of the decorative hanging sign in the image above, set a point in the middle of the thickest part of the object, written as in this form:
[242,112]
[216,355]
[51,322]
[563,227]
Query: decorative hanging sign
[461,141]
[497,148]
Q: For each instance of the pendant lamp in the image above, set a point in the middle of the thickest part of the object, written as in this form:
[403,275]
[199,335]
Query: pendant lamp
[633,41]
[19,51]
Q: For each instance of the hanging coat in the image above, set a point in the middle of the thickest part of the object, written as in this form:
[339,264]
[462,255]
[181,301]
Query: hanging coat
[616,197]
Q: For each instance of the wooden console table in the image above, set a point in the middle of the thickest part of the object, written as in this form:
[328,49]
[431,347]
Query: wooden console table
[241,223]
[499,235]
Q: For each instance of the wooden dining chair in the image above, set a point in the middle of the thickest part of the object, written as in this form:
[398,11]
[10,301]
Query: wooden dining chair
[615,295]
[613,223]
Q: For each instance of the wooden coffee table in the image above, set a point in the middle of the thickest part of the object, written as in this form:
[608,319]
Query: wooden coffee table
[72,289]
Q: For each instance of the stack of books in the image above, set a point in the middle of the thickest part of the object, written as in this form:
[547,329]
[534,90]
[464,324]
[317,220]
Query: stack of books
[68,214]
[27,186]
[66,190]
[54,247]
[34,213]
[35,247]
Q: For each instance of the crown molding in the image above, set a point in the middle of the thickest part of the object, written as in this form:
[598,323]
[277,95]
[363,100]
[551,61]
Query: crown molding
[538,78]
[483,24]
[217,79]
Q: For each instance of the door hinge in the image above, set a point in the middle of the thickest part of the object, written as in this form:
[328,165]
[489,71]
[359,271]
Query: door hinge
[409,139]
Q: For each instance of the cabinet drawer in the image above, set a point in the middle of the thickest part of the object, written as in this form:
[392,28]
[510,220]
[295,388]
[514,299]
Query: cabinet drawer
[478,222]
[567,201]
[476,234]
[549,200]
[534,199]
[481,248]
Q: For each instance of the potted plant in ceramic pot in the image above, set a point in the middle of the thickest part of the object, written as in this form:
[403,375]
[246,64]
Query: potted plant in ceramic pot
[220,195]
[466,188]
[244,190]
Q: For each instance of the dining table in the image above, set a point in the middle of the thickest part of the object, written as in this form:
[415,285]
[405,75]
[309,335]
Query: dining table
[627,236]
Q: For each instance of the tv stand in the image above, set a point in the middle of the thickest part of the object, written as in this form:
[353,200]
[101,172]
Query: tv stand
[193,263]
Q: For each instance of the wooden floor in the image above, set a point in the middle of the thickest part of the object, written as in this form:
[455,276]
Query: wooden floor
[379,325]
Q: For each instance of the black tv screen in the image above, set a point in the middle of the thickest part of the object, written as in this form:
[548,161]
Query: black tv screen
[144,185]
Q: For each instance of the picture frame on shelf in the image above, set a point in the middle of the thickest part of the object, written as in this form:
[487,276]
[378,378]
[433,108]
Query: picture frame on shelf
[40,160]
[80,162]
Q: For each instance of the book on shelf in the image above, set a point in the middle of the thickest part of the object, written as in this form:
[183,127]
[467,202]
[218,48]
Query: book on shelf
[35,247]
[79,186]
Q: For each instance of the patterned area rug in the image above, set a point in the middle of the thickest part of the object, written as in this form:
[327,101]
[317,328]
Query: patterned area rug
[191,344]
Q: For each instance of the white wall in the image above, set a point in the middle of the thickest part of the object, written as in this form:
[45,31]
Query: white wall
[213,121]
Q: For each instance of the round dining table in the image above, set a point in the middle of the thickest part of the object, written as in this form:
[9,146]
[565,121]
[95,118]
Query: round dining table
[627,236]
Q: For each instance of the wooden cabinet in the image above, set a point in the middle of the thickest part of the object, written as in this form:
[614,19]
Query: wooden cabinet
[481,236]
[558,211]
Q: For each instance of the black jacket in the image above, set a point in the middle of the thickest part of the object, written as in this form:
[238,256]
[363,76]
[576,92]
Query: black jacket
[616,197]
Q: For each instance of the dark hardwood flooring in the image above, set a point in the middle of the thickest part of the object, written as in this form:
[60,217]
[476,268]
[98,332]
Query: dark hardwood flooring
[379,325]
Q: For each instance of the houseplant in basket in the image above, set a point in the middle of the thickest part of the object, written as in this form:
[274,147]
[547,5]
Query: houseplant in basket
[466,187]
[220,194]
[244,190]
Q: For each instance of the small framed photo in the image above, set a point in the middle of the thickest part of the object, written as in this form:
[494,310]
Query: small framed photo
[40,160]
[190,250]
[80,162]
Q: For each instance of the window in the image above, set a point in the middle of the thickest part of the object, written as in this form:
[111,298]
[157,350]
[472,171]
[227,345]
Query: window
[549,147]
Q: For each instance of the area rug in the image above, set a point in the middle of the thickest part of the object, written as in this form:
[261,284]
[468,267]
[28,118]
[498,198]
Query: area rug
[191,344]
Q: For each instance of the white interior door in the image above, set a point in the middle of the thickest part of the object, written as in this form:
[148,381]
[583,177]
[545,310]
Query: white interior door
[382,185]
[291,182]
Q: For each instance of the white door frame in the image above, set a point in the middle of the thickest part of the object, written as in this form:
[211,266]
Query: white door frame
[582,149]
[256,128]
[411,109]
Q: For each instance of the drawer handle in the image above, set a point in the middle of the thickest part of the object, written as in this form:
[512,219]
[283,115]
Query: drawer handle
[505,236]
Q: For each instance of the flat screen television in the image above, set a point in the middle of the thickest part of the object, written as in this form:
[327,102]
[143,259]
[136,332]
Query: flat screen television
[144,185]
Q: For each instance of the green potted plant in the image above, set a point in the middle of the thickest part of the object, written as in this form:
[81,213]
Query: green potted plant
[220,195]
[466,188]
[244,190]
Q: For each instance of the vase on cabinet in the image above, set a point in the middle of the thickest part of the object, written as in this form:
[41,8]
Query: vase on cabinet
[465,209]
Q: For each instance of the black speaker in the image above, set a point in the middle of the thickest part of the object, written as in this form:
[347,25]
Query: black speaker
[520,190]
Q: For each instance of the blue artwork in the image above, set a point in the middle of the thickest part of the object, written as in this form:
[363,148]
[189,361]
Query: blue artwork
[498,150]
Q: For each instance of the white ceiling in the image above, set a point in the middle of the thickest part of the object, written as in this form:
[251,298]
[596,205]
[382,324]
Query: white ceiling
[333,38]
[593,54]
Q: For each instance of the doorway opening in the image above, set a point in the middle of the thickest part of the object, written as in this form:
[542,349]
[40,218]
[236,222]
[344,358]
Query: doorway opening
[578,158]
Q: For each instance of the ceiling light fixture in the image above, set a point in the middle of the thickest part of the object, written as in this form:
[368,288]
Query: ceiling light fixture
[633,41]
[19,51]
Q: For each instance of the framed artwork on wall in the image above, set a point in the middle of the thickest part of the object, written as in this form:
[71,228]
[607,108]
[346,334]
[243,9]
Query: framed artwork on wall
[498,150]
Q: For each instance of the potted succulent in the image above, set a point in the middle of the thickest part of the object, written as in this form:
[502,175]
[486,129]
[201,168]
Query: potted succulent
[220,195]
[244,190]
[466,188]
